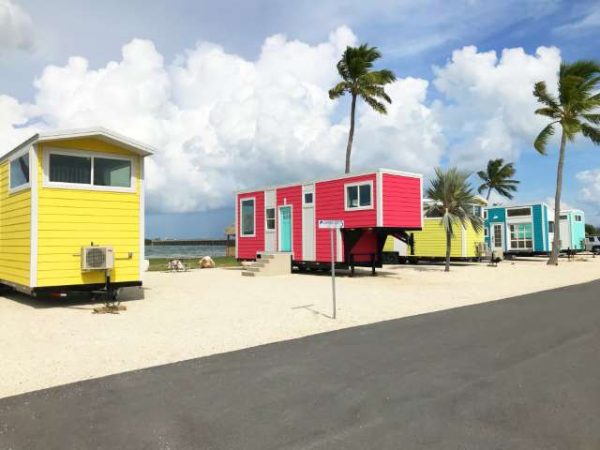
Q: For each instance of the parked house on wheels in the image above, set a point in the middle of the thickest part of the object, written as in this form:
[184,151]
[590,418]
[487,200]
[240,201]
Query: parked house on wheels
[72,212]
[372,206]
[529,229]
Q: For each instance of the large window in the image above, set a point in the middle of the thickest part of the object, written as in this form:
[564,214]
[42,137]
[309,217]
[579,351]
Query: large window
[19,171]
[247,217]
[518,212]
[270,218]
[100,172]
[521,236]
[359,196]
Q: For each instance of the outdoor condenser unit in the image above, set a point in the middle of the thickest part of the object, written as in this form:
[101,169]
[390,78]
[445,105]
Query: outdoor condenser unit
[97,258]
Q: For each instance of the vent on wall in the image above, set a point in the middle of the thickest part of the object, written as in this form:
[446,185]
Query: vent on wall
[97,258]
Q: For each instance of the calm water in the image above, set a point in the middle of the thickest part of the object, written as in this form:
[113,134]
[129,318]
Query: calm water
[183,251]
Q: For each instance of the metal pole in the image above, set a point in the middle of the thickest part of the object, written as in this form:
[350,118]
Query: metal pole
[333,272]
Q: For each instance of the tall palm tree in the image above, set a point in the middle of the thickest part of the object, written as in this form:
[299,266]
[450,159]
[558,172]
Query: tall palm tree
[360,81]
[576,110]
[498,177]
[452,199]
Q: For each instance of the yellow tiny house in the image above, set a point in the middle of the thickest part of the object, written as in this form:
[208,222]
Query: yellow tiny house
[72,212]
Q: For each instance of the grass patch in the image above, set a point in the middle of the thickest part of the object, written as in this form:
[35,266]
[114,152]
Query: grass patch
[158,264]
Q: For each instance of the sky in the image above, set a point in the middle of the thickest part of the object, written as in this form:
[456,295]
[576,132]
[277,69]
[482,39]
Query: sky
[233,94]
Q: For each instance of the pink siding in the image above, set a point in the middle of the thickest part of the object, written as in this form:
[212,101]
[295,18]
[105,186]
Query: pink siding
[292,195]
[329,204]
[401,201]
[248,246]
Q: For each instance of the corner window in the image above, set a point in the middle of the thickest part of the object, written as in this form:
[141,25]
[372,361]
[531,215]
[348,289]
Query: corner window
[19,171]
[308,198]
[270,218]
[578,218]
[70,169]
[247,217]
[359,196]
[112,172]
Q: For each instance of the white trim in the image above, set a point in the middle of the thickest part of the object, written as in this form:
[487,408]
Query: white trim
[493,245]
[238,228]
[357,184]
[509,237]
[322,180]
[15,156]
[463,240]
[421,200]
[291,207]
[96,132]
[84,186]
[519,216]
[142,256]
[379,184]
[267,229]
[242,235]
[33,226]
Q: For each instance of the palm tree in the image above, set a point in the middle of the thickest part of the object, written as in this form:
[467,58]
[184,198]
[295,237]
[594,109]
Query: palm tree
[452,199]
[576,110]
[360,81]
[498,177]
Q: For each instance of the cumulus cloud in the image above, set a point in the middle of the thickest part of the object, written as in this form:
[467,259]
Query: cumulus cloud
[590,192]
[15,27]
[222,122]
[488,103]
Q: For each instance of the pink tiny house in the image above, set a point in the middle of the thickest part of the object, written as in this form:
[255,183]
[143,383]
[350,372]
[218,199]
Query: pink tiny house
[372,205]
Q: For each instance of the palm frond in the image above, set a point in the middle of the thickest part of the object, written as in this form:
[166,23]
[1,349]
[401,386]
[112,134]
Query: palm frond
[339,89]
[542,139]
[590,132]
[543,96]
[373,103]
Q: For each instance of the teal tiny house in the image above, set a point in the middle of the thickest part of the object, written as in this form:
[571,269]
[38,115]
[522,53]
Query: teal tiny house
[529,229]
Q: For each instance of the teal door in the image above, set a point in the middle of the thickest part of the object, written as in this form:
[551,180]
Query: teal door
[285,229]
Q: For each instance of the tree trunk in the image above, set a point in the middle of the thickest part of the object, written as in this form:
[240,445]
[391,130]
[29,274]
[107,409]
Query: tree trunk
[448,249]
[553,261]
[351,133]
[488,196]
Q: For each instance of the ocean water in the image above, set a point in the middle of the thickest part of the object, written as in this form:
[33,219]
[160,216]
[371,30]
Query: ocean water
[183,251]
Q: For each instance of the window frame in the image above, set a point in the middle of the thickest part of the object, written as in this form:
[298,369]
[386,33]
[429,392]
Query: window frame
[85,186]
[358,184]
[520,216]
[312,202]
[274,219]
[519,239]
[26,151]
[241,216]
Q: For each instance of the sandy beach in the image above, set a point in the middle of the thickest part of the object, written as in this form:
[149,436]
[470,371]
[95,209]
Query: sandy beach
[202,312]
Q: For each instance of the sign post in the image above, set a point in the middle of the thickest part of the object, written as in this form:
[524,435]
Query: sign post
[332,225]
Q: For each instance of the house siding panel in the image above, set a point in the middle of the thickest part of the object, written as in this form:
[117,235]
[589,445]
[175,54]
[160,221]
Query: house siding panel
[69,219]
[249,246]
[402,201]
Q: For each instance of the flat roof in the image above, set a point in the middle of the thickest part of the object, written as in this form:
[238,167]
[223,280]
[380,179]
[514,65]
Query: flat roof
[100,133]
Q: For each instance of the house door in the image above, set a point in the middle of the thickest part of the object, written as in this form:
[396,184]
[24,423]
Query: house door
[285,229]
[497,236]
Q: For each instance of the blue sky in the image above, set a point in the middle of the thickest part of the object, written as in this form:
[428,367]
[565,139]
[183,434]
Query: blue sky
[229,105]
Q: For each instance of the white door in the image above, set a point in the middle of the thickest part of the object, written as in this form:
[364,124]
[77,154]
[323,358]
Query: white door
[565,234]
[497,236]
[270,222]
[308,222]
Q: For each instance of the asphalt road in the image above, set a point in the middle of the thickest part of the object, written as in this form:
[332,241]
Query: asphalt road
[520,373]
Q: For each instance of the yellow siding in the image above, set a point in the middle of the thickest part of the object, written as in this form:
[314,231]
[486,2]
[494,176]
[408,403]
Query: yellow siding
[431,241]
[15,226]
[71,218]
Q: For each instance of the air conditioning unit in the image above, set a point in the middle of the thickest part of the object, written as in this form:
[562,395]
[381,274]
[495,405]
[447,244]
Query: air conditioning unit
[97,258]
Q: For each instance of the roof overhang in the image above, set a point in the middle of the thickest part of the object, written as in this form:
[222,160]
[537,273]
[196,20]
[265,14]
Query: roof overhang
[99,133]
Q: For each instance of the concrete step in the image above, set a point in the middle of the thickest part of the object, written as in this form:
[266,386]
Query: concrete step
[270,264]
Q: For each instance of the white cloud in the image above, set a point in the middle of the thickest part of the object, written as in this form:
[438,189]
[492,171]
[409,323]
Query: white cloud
[488,107]
[16,27]
[222,122]
[590,194]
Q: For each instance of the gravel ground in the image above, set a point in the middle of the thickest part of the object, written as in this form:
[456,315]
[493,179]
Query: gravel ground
[180,316]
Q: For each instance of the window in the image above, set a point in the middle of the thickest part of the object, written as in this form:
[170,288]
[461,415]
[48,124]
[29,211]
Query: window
[358,196]
[247,217]
[486,232]
[308,198]
[476,210]
[90,171]
[577,218]
[112,172]
[70,169]
[517,212]
[270,218]
[485,216]
[564,217]
[19,171]
[551,226]
[521,236]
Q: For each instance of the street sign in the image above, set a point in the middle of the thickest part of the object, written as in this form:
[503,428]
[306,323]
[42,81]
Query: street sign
[334,224]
